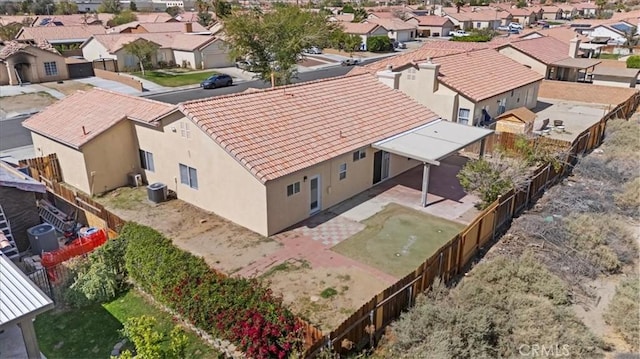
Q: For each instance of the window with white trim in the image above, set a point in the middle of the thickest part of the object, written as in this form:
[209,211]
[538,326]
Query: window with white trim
[463,116]
[185,131]
[342,171]
[293,189]
[50,68]
[189,176]
[359,154]
[411,73]
[146,160]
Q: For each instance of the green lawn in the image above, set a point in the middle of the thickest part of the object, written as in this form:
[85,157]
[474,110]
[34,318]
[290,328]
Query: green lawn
[92,332]
[174,80]
[398,239]
[609,56]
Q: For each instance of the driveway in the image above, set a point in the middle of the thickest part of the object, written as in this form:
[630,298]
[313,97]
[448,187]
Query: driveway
[109,85]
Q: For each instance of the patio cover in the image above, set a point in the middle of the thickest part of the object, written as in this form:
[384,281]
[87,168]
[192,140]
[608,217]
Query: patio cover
[577,63]
[432,143]
[20,302]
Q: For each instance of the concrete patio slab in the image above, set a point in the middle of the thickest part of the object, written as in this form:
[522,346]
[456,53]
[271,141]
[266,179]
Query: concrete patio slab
[576,116]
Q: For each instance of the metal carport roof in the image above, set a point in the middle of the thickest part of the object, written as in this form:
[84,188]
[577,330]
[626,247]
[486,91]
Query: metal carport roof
[434,141]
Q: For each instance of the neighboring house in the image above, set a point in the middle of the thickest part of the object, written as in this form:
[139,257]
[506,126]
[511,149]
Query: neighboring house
[569,11]
[460,20]
[476,18]
[402,14]
[397,29]
[25,63]
[523,16]
[72,20]
[137,27]
[616,77]
[562,33]
[615,33]
[365,30]
[587,9]
[265,170]
[551,13]
[452,86]
[432,25]
[341,18]
[17,19]
[186,50]
[68,36]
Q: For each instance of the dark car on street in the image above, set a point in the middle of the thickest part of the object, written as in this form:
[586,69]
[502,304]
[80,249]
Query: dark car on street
[216,81]
[349,62]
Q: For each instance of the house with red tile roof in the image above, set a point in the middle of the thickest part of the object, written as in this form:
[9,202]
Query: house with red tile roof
[363,29]
[432,25]
[26,63]
[552,58]
[59,35]
[137,27]
[452,85]
[524,16]
[192,50]
[397,30]
[587,9]
[264,159]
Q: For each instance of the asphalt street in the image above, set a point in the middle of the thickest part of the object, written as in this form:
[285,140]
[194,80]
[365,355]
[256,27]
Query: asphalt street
[198,93]
[12,134]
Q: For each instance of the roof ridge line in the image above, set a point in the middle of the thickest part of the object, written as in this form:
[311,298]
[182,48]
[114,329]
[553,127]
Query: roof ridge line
[128,96]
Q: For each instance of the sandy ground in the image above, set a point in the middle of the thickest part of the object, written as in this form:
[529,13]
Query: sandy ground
[27,101]
[223,244]
[68,87]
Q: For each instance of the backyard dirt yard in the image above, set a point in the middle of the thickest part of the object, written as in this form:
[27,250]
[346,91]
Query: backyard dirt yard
[223,244]
[28,101]
[68,87]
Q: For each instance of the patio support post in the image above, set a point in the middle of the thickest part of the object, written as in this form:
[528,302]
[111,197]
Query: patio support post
[482,146]
[30,340]
[425,183]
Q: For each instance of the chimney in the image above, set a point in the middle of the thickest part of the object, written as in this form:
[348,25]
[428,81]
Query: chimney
[574,46]
[188,27]
[431,71]
[389,78]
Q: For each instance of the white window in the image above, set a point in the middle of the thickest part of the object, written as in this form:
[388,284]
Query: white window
[502,106]
[411,74]
[50,68]
[146,160]
[189,176]
[359,154]
[478,25]
[342,171]
[463,116]
[184,130]
[293,189]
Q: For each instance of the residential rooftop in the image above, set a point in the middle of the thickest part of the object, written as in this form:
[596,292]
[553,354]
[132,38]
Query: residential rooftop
[545,49]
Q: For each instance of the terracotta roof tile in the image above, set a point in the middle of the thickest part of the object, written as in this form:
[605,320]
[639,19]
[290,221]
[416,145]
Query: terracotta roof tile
[546,49]
[432,20]
[393,24]
[97,110]
[298,126]
[12,47]
[53,33]
[522,113]
[358,27]
[167,40]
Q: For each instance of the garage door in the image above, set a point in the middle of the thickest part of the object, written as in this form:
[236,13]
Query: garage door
[79,70]
[216,60]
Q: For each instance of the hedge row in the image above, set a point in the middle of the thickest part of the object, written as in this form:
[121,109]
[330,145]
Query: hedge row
[240,310]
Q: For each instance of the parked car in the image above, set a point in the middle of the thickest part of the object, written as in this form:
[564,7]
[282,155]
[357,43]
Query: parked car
[349,62]
[515,25]
[314,50]
[504,28]
[459,33]
[399,45]
[215,81]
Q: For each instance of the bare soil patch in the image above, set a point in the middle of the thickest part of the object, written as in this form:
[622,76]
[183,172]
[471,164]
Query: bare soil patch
[28,101]
[68,87]
[223,244]
[323,296]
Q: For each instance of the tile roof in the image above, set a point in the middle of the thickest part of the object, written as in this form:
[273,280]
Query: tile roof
[12,47]
[157,27]
[562,33]
[520,12]
[302,125]
[8,19]
[358,28]
[583,92]
[68,20]
[167,40]
[343,17]
[393,24]
[153,17]
[498,73]
[546,49]
[432,20]
[53,33]
[96,110]
[521,113]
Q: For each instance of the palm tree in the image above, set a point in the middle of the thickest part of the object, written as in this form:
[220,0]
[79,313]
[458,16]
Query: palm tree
[459,4]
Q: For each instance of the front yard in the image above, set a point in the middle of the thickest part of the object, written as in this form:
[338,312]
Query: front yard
[91,332]
[164,78]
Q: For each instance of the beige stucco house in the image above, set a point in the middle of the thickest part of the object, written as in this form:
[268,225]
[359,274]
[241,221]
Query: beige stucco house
[311,148]
[451,85]
[23,63]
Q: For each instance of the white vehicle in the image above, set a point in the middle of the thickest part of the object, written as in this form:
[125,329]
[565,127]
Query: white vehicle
[504,28]
[515,26]
[459,33]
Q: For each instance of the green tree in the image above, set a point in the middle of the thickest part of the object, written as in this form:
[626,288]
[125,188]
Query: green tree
[66,7]
[601,4]
[124,17]
[133,6]
[633,62]
[173,11]
[149,342]
[142,49]
[459,4]
[352,43]
[348,9]
[274,40]
[631,38]
[379,43]
[221,8]
[109,6]
[204,18]
[521,3]
[9,31]
[360,14]
[42,7]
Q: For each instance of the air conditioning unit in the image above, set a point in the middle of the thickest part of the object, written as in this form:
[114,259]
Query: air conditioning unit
[135,179]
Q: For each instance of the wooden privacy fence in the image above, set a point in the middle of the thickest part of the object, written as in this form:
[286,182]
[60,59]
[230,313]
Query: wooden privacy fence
[364,326]
[44,169]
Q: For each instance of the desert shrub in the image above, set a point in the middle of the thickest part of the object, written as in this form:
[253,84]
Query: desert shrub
[629,198]
[492,177]
[500,306]
[602,239]
[71,294]
[238,309]
[379,44]
[633,62]
[623,309]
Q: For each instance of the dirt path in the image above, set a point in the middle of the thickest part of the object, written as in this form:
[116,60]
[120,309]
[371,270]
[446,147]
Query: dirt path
[28,101]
